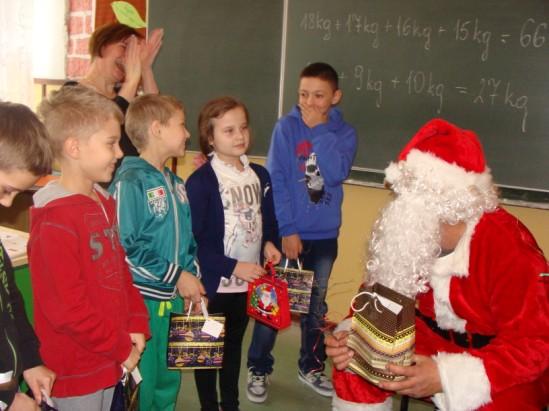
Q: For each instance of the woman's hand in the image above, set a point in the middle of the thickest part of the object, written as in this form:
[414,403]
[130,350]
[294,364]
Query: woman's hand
[132,62]
[150,48]
[132,67]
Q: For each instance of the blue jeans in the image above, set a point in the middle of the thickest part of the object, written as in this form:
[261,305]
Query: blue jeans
[318,256]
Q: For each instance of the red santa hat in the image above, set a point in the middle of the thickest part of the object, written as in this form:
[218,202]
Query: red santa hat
[442,157]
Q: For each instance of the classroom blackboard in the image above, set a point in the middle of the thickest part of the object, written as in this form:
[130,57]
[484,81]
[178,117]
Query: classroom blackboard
[213,48]
[480,64]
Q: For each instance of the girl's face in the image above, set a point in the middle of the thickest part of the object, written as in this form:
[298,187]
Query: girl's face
[231,136]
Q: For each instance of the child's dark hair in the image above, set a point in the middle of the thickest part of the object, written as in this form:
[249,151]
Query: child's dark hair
[24,142]
[323,71]
[109,34]
[214,109]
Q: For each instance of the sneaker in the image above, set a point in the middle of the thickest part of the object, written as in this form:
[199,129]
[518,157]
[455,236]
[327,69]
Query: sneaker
[257,386]
[318,381]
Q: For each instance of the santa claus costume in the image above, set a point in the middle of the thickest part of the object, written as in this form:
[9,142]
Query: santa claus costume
[483,311]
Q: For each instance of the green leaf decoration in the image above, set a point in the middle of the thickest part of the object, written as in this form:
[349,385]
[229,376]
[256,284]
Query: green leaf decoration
[127,14]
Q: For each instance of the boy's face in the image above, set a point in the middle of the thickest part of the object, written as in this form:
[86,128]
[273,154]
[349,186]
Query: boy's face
[231,135]
[98,153]
[317,94]
[175,135]
[13,182]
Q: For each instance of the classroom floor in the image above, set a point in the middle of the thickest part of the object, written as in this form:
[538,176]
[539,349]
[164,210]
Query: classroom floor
[286,392]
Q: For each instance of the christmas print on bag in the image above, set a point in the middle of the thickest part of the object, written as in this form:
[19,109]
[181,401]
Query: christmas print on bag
[300,285]
[191,344]
[268,300]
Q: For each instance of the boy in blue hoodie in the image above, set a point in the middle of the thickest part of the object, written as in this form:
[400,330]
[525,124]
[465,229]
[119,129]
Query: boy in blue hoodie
[155,229]
[311,154]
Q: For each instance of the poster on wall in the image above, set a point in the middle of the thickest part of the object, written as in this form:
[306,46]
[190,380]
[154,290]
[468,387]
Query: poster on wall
[130,12]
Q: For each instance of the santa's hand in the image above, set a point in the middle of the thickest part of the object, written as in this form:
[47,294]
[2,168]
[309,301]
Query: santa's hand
[337,350]
[422,378]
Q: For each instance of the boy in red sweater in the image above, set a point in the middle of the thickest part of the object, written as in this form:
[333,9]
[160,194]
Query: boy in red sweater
[89,317]
[25,155]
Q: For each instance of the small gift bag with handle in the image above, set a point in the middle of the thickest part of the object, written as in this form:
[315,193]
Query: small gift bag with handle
[195,341]
[382,331]
[268,300]
[300,284]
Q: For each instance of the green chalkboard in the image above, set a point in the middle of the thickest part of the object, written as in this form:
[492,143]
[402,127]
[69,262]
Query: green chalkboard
[213,48]
[481,64]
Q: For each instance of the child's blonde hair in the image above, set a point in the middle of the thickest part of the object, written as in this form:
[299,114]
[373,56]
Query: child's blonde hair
[146,109]
[24,141]
[75,111]
[215,109]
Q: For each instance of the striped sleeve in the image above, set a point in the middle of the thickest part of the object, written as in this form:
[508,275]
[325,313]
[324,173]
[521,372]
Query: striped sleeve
[145,264]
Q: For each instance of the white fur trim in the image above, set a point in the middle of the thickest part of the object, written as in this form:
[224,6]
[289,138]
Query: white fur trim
[339,404]
[454,264]
[465,384]
[430,168]
[392,172]
[344,325]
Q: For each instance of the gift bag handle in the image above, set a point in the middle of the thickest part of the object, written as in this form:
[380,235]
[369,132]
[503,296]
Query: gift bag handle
[299,266]
[269,268]
[372,295]
[202,306]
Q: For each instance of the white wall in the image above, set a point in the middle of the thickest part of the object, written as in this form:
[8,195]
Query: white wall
[49,39]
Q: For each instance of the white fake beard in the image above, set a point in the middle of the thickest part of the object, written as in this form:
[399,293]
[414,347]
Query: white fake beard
[404,245]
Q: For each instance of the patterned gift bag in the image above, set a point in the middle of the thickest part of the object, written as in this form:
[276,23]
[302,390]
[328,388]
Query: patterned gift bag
[268,300]
[300,283]
[382,331]
[189,346]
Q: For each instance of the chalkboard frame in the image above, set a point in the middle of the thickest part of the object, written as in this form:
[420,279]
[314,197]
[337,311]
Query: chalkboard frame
[361,176]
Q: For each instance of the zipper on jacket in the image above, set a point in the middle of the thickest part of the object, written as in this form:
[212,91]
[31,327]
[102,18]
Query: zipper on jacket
[176,224]
[13,351]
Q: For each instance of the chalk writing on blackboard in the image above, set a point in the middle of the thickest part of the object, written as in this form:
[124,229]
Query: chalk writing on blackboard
[532,33]
[487,90]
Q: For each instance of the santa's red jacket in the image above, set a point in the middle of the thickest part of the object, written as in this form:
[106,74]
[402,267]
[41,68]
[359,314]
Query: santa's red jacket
[490,285]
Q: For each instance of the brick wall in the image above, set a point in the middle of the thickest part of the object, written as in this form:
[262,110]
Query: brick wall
[80,27]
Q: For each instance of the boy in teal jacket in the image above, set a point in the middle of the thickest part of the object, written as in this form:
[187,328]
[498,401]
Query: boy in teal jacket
[155,229]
